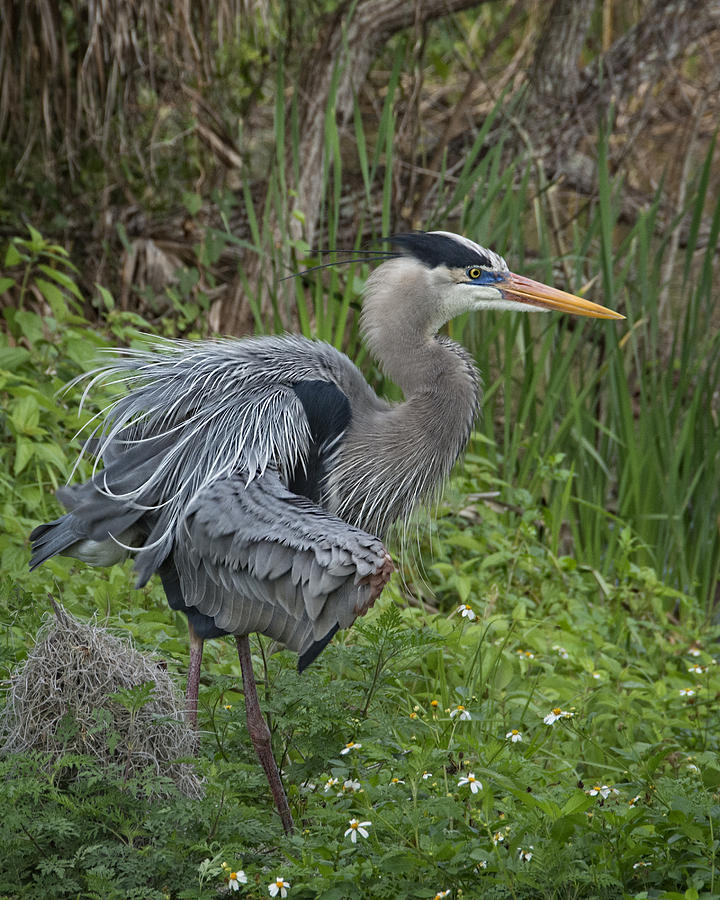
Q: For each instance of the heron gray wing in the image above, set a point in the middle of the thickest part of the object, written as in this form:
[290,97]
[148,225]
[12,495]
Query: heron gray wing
[257,557]
[215,408]
[101,518]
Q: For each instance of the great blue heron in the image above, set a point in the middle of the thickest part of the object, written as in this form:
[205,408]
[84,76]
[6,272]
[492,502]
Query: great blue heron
[259,477]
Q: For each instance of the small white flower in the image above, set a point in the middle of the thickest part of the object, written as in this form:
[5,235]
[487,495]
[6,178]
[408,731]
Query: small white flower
[441,894]
[279,886]
[355,828]
[426,775]
[596,675]
[556,714]
[641,864]
[330,784]
[603,791]
[235,879]
[697,670]
[482,864]
[525,855]
[694,651]
[687,692]
[528,654]
[693,768]
[351,745]
[470,779]
[350,787]
[514,736]
[498,838]
[466,611]
[461,712]
[635,800]
[561,651]
[396,781]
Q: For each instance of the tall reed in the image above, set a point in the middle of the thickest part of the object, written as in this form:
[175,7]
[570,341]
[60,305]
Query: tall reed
[630,407]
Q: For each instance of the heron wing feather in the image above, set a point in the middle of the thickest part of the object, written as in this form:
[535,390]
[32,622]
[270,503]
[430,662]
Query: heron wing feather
[257,557]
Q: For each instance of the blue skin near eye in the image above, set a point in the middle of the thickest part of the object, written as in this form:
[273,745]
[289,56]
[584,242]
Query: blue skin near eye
[484,277]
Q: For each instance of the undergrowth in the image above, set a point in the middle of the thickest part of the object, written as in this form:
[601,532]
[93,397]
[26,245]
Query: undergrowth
[584,711]
[535,639]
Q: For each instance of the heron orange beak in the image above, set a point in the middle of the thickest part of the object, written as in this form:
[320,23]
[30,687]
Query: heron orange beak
[534,293]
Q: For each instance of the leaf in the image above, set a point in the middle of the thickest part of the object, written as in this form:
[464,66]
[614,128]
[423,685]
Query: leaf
[106,296]
[82,349]
[31,325]
[24,452]
[11,358]
[55,297]
[13,257]
[6,283]
[62,279]
[463,586]
[37,241]
[579,802]
[496,559]
[504,673]
[53,455]
[25,415]
[339,892]
[192,202]
[135,697]
[397,861]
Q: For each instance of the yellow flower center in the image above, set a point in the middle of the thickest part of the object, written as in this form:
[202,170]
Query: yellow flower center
[233,876]
[434,703]
[461,708]
[280,882]
[556,711]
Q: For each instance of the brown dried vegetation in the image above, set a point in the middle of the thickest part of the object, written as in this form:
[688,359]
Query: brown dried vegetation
[109,112]
[60,701]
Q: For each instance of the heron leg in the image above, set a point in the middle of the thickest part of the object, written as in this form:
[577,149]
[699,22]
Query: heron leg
[260,733]
[193,680]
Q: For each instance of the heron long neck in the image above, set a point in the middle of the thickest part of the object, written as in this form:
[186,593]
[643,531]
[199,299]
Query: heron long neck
[397,456]
[431,427]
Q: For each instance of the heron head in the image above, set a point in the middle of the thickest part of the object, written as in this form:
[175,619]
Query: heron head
[465,277]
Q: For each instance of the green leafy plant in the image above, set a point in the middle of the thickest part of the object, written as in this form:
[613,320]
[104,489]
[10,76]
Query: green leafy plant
[580,534]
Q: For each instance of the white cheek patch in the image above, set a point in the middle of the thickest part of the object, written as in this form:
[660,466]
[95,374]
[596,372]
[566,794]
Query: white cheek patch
[511,305]
[462,298]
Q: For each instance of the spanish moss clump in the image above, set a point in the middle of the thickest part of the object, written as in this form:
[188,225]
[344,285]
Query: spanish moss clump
[60,701]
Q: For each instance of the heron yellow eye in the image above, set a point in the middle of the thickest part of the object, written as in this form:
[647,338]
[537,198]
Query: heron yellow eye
[473,273]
